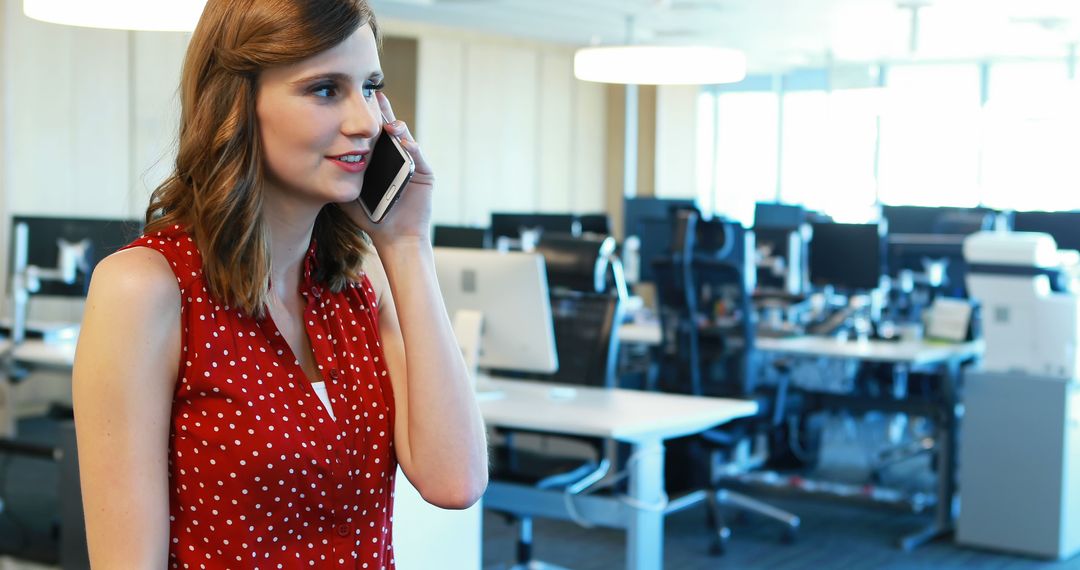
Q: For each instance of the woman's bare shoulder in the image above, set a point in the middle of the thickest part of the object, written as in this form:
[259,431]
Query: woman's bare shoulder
[139,276]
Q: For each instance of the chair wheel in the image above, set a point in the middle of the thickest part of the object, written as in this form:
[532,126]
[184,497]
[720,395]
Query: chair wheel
[719,543]
[789,536]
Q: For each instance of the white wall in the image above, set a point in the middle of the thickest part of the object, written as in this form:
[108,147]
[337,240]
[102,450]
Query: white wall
[89,119]
[507,127]
[92,114]
[5,80]
[676,141]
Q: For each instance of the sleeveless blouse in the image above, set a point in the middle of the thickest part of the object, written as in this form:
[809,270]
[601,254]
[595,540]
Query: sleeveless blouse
[260,476]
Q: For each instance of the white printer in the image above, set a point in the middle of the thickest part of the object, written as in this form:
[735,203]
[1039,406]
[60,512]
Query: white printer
[1028,325]
[1020,439]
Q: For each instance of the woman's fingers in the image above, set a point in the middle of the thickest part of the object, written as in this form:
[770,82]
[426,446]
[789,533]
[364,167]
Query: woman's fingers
[384,106]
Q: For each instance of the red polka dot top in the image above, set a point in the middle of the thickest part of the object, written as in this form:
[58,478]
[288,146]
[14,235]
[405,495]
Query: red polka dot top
[260,475]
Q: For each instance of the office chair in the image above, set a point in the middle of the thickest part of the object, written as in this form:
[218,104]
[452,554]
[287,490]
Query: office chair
[721,363]
[587,294]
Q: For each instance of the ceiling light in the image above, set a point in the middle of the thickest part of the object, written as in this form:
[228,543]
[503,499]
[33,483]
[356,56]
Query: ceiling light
[150,15]
[660,65]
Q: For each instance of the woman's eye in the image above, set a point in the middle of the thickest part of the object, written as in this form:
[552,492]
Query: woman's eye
[371,88]
[328,91]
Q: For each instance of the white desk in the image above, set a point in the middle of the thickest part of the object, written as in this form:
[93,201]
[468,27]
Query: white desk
[647,332]
[59,356]
[40,353]
[942,406]
[916,353]
[642,419]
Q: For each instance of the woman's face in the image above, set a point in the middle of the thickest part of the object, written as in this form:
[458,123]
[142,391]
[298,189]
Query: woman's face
[318,119]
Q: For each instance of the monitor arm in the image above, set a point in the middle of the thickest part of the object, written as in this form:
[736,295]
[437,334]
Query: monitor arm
[26,279]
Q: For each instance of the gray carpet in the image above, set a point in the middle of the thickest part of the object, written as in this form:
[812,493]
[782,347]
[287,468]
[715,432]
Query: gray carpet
[832,537]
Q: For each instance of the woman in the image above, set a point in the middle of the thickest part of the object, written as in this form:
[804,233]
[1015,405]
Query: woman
[250,373]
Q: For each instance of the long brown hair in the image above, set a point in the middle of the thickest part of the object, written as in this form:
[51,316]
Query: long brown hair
[216,191]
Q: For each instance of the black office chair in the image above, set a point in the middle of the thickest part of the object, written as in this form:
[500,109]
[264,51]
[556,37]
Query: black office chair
[706,356]
[587,295]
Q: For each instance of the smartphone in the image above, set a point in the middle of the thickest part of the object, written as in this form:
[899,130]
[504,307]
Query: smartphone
[389,169]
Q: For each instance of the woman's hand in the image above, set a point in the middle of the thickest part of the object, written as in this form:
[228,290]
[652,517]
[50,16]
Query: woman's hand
[410,218]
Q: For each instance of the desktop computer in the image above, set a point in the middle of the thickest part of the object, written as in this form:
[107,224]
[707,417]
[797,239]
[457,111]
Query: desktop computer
[509,293]
[848,257]
[1064,227]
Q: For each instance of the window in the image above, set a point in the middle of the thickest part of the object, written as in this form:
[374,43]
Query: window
[930,136]
[926,139]
[828,152]
[744,167]
[1032,138]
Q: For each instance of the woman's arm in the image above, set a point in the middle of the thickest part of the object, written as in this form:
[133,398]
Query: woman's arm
[125,372]
[438,433]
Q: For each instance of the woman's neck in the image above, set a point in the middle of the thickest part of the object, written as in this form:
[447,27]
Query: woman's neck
[289,227]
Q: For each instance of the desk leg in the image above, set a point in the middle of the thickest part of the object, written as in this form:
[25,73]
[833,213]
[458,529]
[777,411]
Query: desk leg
[645,529]
[7,406]
[946,425]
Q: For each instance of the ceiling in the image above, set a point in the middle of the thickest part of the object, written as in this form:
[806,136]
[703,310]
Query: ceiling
[777,34]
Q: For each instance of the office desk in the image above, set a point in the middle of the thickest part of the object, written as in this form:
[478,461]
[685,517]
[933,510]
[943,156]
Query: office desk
[58,356]
[34,353]
[918,353]
[642,419]
[55,355]
[943,407]
[647,333]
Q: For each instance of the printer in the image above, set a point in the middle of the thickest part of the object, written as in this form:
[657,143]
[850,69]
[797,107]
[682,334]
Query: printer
[1020,440]
[1030,318]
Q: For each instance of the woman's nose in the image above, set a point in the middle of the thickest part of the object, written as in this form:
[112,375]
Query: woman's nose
[361,117]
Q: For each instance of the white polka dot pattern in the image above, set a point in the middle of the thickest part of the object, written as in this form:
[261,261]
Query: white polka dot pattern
[260,475]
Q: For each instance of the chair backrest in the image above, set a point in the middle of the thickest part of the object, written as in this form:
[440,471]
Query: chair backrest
[689,288]
[577,263]
[586,307]
[586,337]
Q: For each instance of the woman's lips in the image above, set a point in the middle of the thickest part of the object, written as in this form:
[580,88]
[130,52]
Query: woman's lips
[352,162]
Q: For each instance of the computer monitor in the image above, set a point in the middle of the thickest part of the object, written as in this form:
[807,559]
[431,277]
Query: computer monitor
[635,210]
[937,220]
[918,253]
[511,224]
[510,291]
[595,224]
[910,219]
[1064,227]
[774,215]
[780,259]
[461,236]
[652,220]
[105,235]
[849,257]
